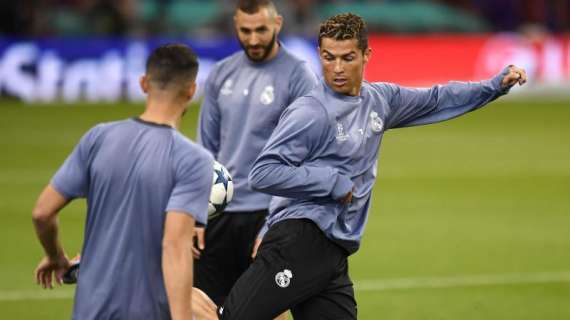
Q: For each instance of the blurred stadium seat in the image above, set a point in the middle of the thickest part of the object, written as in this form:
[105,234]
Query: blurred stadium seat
[414,16]
[184,15]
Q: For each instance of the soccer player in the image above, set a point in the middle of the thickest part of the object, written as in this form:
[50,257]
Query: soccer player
[244,98]
[146,185]
[322,158]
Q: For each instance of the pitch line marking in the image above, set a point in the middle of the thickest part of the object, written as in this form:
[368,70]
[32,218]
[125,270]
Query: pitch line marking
[39,294]
[360,285]
[461,281]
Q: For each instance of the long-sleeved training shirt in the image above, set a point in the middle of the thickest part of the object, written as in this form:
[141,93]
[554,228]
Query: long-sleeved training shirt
[242,105]
[327,144]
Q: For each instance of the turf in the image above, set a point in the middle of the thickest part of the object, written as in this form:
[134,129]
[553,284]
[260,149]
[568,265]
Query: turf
[486,194]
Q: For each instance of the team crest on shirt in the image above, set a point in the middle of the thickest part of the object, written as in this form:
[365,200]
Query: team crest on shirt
[227,88]
[376,123]
[283,278]
[268,95]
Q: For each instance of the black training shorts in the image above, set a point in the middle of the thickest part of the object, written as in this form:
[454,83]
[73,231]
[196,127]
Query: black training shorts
[297,268]
[229,242]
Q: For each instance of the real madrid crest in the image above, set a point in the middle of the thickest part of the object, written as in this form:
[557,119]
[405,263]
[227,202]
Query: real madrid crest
[268,95]
[376,123]
[283,278]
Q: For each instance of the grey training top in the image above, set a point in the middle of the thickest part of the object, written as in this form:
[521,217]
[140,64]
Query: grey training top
[242,105]
[131,172]
[327,144]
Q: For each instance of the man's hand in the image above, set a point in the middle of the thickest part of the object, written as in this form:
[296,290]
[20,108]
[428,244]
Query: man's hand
[256,245]
[199,239]
[202,306]
[515,75]
[49,268]
[44,217]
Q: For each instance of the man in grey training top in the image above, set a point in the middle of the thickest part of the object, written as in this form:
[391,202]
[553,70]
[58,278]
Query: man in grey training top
[244,97]
[146,185]
[322,157]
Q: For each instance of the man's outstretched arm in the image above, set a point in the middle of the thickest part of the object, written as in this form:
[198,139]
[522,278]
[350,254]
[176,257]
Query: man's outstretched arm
[413,106]
[45,219]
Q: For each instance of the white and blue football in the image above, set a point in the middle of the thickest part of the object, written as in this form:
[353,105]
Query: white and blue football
[222,190]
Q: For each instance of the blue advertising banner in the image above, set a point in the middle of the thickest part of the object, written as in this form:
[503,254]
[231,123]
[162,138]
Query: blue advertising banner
[95,70]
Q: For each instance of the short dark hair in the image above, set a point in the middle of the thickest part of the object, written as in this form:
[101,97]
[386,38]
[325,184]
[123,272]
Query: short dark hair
[253,6]
[172,63]
[345,26]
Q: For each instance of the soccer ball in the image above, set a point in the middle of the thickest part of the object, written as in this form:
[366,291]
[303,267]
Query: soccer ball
[222,191]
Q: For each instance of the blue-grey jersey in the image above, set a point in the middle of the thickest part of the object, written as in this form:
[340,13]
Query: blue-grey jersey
[242,105]
[131,172]
[327,144]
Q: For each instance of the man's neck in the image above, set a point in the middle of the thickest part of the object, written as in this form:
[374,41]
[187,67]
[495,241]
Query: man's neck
[355,92]
[161,113]
[274,52]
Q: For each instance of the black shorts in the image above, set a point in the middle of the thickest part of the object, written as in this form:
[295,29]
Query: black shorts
[229,243]
[297,268]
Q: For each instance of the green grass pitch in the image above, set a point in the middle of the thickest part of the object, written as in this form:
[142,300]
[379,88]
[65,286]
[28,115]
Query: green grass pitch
[484,196]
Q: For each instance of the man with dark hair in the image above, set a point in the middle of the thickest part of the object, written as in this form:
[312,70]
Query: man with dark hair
[322,158]
[244,97]
[146,185]
[253,6]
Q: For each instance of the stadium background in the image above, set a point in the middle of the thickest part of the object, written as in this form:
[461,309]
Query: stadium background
[469,218]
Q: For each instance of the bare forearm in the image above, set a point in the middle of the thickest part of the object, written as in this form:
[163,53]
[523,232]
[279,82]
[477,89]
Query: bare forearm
[46,222]
[177,270]
[47,230]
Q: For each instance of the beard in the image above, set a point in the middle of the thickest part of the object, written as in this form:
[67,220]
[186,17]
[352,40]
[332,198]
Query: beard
[266,49]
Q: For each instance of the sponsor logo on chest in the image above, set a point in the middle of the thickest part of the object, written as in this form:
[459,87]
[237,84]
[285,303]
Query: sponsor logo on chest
[374,122]
[266,97]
